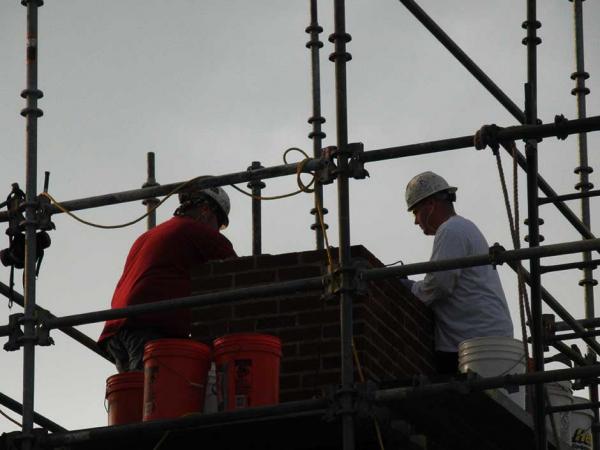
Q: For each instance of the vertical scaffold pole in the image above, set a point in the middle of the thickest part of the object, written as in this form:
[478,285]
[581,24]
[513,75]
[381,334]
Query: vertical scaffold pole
[257,186]
[150,182]
[340,57]
[531,41]
[588,282]
[317,135]
[31,112]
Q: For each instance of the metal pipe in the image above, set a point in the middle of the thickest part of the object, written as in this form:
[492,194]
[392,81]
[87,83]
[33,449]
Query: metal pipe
[574,407]
[568,352]
[256,186]
[140,194]
[315,407]
[557,307]
[317,135]
[340,57]
[271,290]
[567,336]
[577,265]
[480,384]
[587,323]
[69,331]
[496,256]
[511,133]
[464,59]
[537,332]
[585,186]
[505,134]
[150,182]
[576,196]
[317,283]
[15,406]
[31,113]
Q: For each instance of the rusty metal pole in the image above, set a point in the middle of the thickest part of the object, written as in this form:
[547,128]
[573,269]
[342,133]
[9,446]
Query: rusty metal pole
[531,153]
[256,186]
[317,135]
[340,57]
[31,112]
[588,282]
[150,182]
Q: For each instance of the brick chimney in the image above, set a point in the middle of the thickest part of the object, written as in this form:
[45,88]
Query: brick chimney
[393,331]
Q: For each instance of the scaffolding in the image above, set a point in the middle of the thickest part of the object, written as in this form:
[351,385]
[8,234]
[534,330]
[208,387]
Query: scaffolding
[32,328]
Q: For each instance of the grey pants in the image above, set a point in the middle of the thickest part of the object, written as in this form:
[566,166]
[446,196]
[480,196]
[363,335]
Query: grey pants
[127,347]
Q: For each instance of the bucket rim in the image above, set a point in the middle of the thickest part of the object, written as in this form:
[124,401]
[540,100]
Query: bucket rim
[243,342]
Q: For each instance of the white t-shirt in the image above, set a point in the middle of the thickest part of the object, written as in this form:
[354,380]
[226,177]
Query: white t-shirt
[468,302]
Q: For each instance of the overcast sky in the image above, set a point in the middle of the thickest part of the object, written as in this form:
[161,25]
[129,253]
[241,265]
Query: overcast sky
[211,86]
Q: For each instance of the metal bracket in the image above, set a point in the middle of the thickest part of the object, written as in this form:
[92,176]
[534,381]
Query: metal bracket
[356,166]
[358,286]
[329,172]
[14,440]
[14,338]
[42,214]
[548,328]
[495,253]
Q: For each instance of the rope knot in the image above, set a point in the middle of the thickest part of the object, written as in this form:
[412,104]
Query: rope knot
[487,135]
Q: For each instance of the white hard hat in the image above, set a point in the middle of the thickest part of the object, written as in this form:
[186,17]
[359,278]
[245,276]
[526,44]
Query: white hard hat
[424,185]
[216,194]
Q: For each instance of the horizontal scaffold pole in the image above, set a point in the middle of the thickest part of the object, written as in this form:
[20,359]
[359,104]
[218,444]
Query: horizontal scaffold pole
[510,133]
[304,408]
[559,309]
[69,331]
[480,384]
[194,301]
[15,406]
[504,134]
[496,256]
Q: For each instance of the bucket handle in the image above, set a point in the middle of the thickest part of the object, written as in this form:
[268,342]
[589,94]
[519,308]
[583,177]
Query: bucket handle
[191,383]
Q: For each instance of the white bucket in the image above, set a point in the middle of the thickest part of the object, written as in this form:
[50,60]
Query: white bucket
[581,426]
[560,394]
[493,356]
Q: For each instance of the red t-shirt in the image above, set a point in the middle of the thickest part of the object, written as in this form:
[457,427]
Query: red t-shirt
[158,268]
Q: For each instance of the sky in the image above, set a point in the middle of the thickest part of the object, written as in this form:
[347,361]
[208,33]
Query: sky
[211,86]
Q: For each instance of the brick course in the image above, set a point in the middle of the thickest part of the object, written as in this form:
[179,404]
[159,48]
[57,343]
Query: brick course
[393,330]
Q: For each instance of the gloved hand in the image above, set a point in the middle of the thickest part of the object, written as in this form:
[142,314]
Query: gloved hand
[407,283]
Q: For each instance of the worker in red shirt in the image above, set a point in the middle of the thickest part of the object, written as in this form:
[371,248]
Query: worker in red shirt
[158,268]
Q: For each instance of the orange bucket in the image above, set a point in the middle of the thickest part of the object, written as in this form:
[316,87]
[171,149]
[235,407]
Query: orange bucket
[124,397]
[175,373]
[247,370]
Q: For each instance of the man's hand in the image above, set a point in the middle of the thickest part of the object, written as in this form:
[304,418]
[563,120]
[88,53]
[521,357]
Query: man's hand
[407,283]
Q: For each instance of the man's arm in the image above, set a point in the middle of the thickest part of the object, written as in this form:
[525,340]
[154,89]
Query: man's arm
[438,285]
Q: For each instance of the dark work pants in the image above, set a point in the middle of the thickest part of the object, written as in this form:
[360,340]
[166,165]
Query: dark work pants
[127,347]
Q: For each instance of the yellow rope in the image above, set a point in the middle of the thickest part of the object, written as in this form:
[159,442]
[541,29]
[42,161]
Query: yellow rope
[123,225]
[361,377]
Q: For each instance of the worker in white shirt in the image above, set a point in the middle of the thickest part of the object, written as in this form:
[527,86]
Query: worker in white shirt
[466,303]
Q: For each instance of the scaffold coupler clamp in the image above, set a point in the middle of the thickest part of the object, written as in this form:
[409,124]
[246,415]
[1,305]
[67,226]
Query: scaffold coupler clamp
[42,330]
[365,405]
[356,165]
[328,173]
[15,440]
[486,136]
[561,127]
[336,407]
[15,333]
[548,328]
[496,251]
[333,281]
